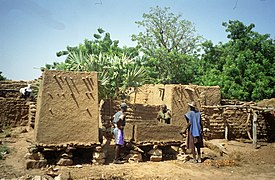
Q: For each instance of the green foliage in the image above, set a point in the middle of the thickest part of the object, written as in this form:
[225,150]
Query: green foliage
[6,131]
[165,30]
[117,67]
[168,43]
[101,44]
[3,150]
[2,78]
[35,87]
[171,68]
[243,67]
[115,73]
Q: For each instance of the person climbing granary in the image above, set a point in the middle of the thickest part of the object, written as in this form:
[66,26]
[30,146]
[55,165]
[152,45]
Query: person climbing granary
[164,115]
[119,122]
[194,128]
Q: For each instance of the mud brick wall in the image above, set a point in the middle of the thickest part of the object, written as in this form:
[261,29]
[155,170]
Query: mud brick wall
[176,98]
[142,125]
[151,94]
[13,111]
[67,108]
[139,115]
[238,121]
[263,126]
[164,94]
[10,89]
[208,95]
[136,113]
[184,94]
[144,133]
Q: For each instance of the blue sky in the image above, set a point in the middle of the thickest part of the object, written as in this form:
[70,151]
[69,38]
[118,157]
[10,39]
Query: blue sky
[32,31]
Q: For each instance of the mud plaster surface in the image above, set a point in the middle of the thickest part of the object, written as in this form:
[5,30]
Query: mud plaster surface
[176,97]
[67,108]
[161,133]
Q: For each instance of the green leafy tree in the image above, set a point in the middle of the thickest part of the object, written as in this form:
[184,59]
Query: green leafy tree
[102,43]
[115,73]
[168,43]
[117,67]
[243,67]
[2,78]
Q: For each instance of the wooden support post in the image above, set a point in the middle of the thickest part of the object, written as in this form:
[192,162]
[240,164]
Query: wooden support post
[226,131]
[254,129]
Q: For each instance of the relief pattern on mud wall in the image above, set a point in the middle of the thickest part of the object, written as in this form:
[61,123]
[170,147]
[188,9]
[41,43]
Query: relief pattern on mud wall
[67,108]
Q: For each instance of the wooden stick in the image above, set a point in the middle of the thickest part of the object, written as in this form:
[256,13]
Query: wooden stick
[254,129]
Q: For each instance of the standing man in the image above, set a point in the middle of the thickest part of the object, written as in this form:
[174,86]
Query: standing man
[164,115]
[118,124]
[194,127]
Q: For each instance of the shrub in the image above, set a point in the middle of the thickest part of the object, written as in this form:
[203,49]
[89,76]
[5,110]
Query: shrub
[3,150]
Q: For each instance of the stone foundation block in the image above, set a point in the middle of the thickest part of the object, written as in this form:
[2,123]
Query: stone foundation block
[65,162]
[35,164]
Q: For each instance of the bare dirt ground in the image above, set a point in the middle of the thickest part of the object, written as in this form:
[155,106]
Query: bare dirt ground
[245,163]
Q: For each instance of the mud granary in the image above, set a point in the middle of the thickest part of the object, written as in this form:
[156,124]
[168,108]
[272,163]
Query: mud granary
[71,123]
[227,119]
[144,104]
[67,109]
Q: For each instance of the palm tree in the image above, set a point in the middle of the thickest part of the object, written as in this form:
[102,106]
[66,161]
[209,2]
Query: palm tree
[115,73]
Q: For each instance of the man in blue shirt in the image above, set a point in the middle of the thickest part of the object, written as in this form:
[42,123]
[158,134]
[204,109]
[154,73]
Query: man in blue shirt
[194,128]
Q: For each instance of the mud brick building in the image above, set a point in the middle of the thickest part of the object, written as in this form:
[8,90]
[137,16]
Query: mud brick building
[235,121]
[69,112]
[176,98]
[67,109]
[220,119]
[142,125]
[70,121]
[14,110]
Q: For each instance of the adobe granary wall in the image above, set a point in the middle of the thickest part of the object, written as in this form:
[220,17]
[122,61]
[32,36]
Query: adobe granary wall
[14,110]
[176,98]
[10,89]
[142,124]
[235,121]
[136,113]
[231,119]
[67,109]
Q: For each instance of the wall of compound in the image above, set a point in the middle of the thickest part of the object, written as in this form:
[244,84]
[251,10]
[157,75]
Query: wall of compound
[237,121]
[67,108]
[14,110]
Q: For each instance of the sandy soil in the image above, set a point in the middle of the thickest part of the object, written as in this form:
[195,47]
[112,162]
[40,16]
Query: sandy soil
[248,163]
